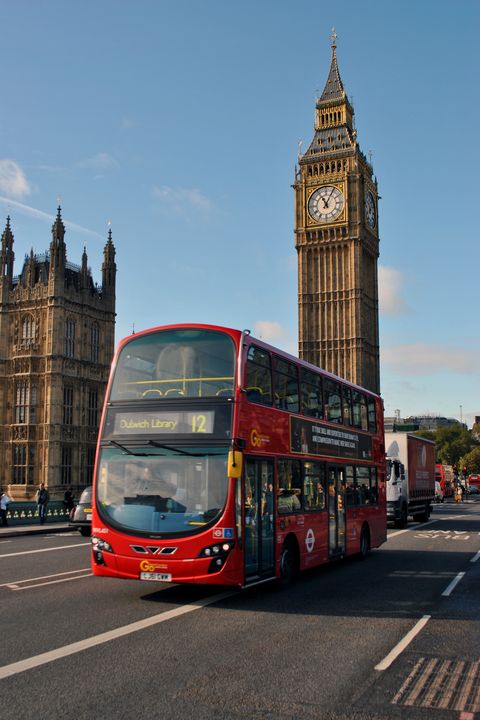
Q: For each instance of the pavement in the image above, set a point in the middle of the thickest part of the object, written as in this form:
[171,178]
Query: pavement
[36,529]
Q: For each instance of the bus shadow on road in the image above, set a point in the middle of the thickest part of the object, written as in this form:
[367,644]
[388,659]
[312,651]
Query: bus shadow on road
[391,583]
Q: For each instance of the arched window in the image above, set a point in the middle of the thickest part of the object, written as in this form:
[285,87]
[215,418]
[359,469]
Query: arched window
[28,330]
[70,338]
[94,342]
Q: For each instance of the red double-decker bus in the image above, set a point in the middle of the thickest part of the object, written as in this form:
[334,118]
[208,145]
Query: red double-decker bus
[223,460]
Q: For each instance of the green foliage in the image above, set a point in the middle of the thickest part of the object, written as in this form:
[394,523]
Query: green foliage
[472,461]
[452,443]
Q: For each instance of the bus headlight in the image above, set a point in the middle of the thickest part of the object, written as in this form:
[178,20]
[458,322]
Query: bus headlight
[218,555]
[100,546]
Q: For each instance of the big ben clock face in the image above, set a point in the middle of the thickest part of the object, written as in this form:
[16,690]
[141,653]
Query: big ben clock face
[370,212]
[326,203]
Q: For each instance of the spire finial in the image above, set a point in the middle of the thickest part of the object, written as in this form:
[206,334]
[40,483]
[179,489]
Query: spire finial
[333,38]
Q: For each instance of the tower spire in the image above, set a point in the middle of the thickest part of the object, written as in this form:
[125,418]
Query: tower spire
[333,89]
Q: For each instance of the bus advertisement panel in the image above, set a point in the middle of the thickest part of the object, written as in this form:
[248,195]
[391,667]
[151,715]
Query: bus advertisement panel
[223,460]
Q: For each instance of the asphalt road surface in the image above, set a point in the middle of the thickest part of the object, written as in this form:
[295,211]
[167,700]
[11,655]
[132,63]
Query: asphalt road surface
[395,636]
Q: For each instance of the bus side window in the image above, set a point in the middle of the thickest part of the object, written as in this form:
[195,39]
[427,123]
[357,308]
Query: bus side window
[360,413]
[351,495]
[372,417]
[333,402]
[286,385]
[258,376]
[313,486]
[347,406]
[311,393]
[289,486]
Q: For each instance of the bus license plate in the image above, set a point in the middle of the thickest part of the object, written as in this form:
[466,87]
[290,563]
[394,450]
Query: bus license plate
[156,576]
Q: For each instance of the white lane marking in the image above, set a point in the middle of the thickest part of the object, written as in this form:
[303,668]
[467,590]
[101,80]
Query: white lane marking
[400,647]
[66,650]
[43,577]
[476,557]
[32,552]
[454,582]
[51,582]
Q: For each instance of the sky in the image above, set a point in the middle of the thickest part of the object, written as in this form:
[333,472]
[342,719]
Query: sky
[179,121]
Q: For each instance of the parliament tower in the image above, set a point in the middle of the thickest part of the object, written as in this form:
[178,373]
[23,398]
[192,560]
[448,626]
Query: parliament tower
[56,345]
[337,241]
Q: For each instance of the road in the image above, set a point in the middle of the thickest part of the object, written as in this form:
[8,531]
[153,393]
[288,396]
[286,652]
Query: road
[337,644]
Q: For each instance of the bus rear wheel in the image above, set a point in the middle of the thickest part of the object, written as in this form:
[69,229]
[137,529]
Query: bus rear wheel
[288,564]
[364,543]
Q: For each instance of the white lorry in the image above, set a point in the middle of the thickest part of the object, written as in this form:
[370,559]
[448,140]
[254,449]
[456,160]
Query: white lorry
[410,477]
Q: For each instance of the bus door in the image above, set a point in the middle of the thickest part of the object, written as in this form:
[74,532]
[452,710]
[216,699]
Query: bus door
[259,535]
[336,511]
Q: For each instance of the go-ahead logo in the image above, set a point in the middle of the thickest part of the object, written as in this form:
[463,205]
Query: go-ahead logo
[148,566]
[257,439]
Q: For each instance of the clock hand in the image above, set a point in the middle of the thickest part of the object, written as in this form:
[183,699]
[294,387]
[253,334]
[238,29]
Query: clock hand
[331,194]
[325,202]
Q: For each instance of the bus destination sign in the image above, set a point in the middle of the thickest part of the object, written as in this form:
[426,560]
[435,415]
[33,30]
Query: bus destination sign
[164,423]
[316,438]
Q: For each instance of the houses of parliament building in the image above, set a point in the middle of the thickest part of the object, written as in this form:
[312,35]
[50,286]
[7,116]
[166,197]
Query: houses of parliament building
[56,345]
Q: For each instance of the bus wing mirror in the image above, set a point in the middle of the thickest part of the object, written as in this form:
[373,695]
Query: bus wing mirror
[235,464]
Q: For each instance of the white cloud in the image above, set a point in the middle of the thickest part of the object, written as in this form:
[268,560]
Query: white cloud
[13,180]
[272,332]
[390,289]
[425,359]
[182,200]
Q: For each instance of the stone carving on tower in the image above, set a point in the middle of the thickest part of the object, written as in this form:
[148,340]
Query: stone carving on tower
[337,242]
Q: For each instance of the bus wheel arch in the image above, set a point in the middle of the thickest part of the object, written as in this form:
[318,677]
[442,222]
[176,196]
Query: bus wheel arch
[365,542]
[289,561]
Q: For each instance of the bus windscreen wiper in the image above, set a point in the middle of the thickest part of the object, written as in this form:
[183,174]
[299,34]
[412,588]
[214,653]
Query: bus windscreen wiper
[127,450]
[169,447]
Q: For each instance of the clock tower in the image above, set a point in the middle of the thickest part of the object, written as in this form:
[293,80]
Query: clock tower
[337,241]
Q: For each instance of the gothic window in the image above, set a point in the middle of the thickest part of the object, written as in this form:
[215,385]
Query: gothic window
[66,466]
[92,408]
[94,343]
[70,338]
[23,464]
[25,402]
[68,405]
[28,331]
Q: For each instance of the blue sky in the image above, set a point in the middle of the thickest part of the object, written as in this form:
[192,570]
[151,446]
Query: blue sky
[179,122]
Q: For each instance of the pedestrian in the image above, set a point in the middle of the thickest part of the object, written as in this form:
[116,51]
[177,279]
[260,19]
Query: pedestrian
[42,502]
[4,503]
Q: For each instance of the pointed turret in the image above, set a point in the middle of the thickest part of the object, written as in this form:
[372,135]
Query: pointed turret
[84,279]
[109,268]
[58,253]
[7,254]
[30,269]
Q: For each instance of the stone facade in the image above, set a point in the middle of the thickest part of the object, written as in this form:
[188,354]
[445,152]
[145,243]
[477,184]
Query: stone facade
[337,242]
[56,345]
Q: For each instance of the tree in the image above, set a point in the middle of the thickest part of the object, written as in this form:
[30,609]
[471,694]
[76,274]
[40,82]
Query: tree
[472,461]
[451,443]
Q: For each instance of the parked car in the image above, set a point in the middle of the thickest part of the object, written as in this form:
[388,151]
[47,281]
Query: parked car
[82,514]
[473,489]
[438,492]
